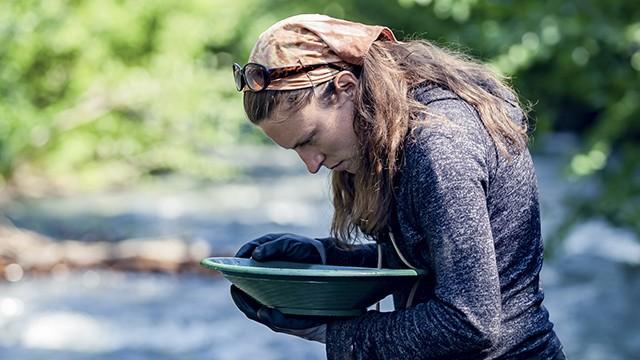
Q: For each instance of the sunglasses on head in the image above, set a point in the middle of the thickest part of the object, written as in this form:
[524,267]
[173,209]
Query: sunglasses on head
[257,77]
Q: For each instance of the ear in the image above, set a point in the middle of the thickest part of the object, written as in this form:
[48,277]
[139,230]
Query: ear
[345,84]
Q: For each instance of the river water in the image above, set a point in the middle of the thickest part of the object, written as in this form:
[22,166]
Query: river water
[591,283]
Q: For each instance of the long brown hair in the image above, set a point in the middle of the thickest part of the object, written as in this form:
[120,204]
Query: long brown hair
[385,112]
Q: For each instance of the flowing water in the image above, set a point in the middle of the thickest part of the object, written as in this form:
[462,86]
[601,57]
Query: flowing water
[591,284]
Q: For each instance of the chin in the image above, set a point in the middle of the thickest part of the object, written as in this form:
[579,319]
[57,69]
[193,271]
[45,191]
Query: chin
[346,166]
[352,168]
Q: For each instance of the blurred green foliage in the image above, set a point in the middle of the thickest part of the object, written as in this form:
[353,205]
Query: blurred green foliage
[103,92]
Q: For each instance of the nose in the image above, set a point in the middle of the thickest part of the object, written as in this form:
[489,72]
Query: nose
[313,159]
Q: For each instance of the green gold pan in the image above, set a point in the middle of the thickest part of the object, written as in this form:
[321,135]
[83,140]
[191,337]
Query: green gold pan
[310,289]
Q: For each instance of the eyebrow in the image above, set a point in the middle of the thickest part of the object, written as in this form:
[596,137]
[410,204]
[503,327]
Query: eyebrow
[305,140]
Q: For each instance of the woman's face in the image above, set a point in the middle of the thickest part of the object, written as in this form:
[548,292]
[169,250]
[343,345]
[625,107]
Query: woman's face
[321,134]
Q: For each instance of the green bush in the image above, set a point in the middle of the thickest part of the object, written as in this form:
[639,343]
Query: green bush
[97,92]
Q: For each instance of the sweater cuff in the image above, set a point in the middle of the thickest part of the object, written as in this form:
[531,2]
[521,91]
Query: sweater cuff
[347,339]
[340,341]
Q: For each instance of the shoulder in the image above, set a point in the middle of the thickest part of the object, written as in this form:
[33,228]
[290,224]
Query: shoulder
[449,138]
[446,114]
[442,103]
[448,125]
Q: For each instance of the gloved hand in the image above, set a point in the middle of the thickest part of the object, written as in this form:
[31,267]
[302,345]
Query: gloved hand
[285,247]
[310,328]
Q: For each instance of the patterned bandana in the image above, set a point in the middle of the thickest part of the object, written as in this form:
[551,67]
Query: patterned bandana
[310,39]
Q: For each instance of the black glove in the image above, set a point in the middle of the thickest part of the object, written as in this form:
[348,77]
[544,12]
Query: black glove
[285,247]
[310,328]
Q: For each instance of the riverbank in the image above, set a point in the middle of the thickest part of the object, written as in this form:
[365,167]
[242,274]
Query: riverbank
[25,252]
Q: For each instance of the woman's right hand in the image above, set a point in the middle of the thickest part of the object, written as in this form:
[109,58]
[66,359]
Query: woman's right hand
[284,247]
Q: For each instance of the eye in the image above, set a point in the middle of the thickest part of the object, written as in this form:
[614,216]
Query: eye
[311,140]
[308,141]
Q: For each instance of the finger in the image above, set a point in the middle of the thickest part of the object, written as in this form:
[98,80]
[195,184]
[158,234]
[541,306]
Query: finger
[247,249]
[245,303]
[286,249]
[276,319]
[273,250]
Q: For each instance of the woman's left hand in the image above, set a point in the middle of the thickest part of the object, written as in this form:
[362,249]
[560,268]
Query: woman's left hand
[302,326]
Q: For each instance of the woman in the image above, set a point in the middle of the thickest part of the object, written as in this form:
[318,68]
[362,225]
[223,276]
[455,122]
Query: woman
[428,152]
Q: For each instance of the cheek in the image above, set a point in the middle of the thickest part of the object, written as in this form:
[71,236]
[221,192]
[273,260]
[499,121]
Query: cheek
[348,136]
[338,137]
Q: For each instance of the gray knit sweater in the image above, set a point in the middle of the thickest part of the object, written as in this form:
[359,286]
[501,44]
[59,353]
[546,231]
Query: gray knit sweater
[471,218]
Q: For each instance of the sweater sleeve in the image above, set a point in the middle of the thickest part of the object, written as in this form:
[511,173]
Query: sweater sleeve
[448,179]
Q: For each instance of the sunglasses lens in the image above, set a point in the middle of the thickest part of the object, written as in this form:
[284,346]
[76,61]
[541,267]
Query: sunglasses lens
[256,76]
[237,76]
